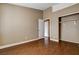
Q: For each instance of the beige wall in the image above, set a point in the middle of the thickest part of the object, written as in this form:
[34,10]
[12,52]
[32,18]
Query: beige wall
[47,14]
[18,23]
[66,11]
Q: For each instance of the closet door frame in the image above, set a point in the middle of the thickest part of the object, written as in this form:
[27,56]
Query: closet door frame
[60,25]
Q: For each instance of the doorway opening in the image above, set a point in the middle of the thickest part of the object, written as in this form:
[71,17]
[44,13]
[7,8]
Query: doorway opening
[44,30]
[47,31]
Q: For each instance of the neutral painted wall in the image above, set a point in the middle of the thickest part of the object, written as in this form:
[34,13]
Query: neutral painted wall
[66,11]
[47,13]
[18,23]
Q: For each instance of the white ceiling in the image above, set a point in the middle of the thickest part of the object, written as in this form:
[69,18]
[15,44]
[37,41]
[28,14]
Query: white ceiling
[40,6]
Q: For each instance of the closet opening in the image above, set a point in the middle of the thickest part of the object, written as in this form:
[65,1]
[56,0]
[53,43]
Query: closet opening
[69,28]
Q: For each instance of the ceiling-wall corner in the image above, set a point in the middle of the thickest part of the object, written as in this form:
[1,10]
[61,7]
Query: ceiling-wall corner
[61,6]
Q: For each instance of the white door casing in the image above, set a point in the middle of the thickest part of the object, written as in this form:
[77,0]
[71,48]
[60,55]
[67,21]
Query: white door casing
[41,28]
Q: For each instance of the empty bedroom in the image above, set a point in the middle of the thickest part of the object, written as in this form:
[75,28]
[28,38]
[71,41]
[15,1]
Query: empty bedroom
[39,28]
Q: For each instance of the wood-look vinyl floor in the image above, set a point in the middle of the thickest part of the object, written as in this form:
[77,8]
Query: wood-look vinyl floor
[39,48]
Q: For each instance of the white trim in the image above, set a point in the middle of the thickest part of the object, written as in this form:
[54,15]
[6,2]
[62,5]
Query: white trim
[54,40]
[70,41]
[14,44]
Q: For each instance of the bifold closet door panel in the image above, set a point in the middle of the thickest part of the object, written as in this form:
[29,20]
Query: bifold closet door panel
[68,32]
[77,30]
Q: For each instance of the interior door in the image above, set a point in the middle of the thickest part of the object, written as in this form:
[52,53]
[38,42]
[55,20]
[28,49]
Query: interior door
[41,28]
[46,29]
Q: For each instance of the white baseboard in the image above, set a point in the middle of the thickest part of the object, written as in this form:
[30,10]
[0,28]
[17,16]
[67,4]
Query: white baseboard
[70,41]
[54,40]
[14,44]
